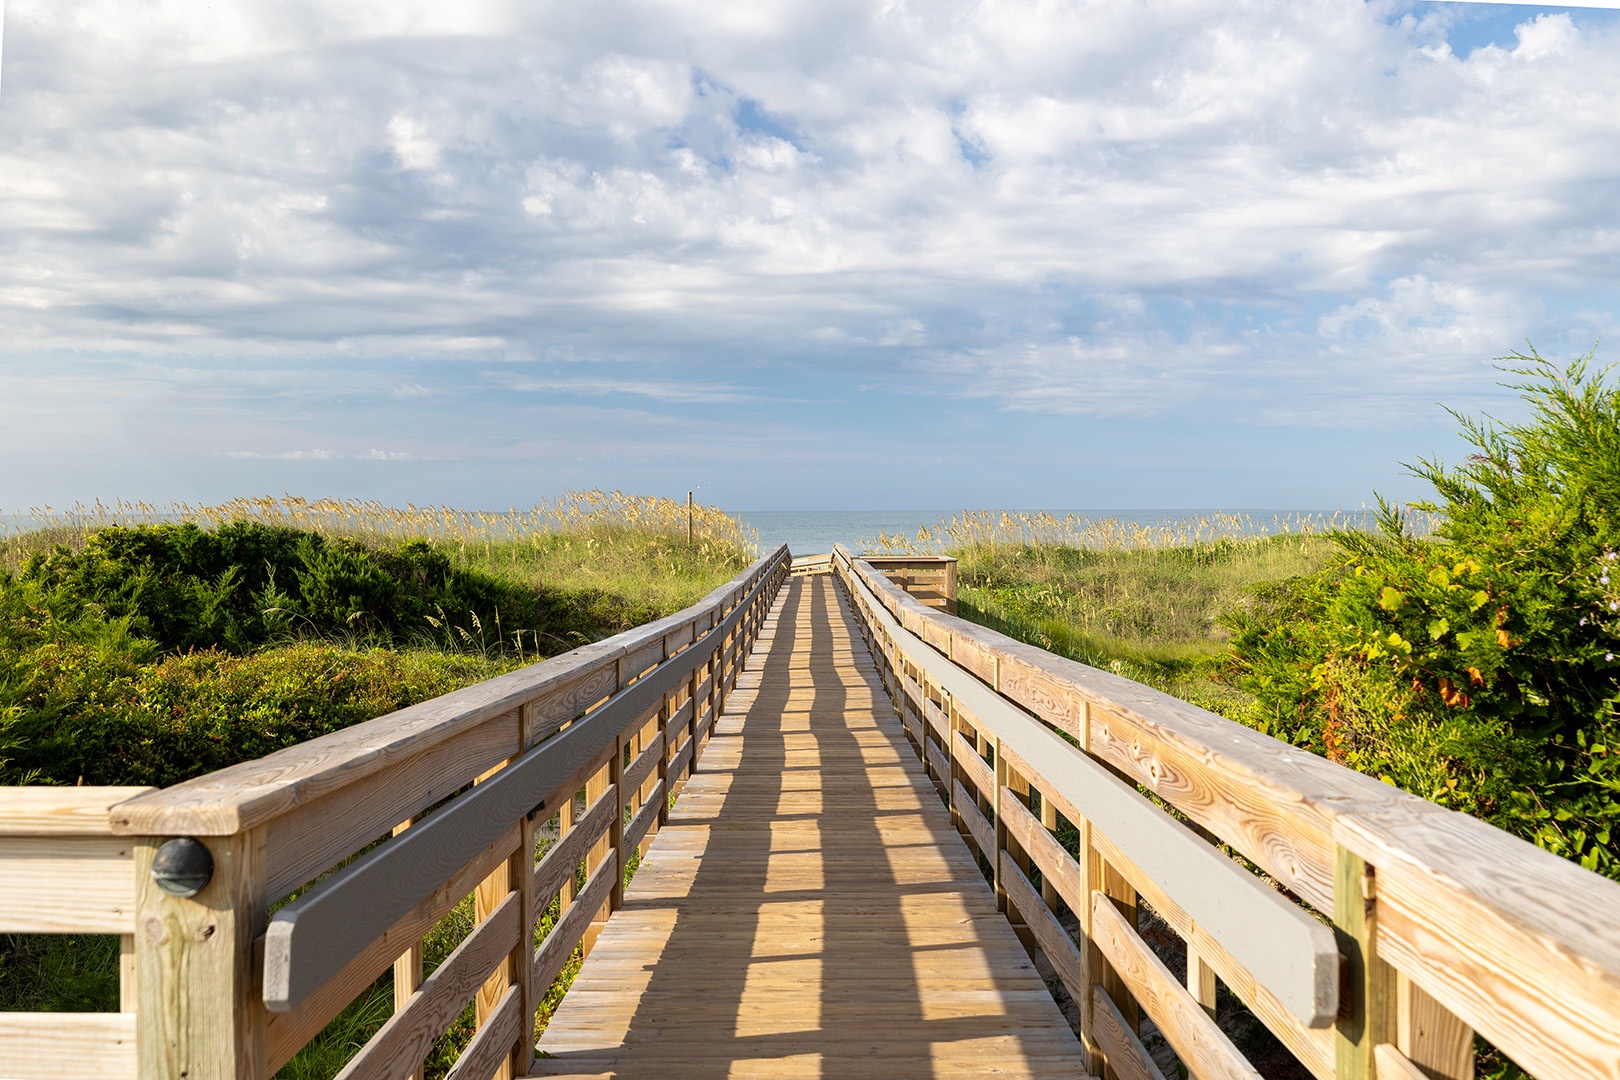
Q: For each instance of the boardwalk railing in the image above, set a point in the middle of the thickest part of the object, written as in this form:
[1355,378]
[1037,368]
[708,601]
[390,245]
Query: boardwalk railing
[359,842]
[1379,935]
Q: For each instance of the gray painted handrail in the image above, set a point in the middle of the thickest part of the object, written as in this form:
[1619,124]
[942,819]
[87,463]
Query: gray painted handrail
[311,939]
[1282,946]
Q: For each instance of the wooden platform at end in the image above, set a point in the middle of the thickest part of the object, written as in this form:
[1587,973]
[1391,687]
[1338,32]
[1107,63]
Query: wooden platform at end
[808,911]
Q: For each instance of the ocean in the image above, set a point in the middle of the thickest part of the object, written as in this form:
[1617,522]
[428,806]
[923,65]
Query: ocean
[808,532]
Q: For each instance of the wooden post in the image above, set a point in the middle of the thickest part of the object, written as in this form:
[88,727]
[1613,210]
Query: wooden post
[595,788]
[1000,831]
[1367,1011]
[1049,820]
[1092,964]
[664,711]
[616,829]
[689,530]
[201,1013]
[490,892]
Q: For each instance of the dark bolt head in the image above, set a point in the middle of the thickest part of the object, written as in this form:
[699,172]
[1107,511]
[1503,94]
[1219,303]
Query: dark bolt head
[182,867]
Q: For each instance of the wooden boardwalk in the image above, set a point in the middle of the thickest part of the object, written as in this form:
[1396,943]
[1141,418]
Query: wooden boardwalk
[809,910]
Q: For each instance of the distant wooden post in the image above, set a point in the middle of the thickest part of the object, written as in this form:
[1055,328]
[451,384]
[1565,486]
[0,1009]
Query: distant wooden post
[1367,1013]
[689,529]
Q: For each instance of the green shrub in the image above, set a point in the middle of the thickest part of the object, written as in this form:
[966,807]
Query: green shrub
[1476,668]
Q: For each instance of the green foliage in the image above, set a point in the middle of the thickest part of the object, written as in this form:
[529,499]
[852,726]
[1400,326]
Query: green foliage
[1475,668]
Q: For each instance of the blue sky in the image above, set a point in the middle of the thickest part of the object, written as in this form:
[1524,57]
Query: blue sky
[1137,253]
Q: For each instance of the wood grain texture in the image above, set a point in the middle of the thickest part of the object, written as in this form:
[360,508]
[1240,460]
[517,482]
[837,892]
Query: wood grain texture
[808,906]
[67,884]
[491,1048]
[59,811]
[974,767]
[1439,1044]
[1521,945]
[399,1047]
[558,865]
[559,944]
[1312,1046]
[978,826]
[252,793]
[199,1013]
[1394,1065]
[1202,1047]
[1127,1057]
[1060,949]
[287,1032]
[1285,947]
[644,820]
[313,837]
[50,1046]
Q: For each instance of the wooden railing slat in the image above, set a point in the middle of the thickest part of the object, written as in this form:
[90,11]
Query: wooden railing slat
[979,828]
[85,1046]
[558,865]
[977,769]
[1126,1054]
[490,1048]
[1054,941]
[1202,1047]
[553,953]
[1286,949]
[407,1037]
[287,1032]
[643,820]
[62,884]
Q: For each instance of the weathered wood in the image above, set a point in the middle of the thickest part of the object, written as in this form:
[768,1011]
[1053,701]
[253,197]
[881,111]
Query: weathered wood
[1436,1042]
[199,1014]
[646,762]
[1312,1046]
[61,884]
[408,978]
[315,836]
[316,934]
[61,811]
[1127,1057]
[972,765]
[644,820]
[1054,941]
[1202,1047]
[1517,943]
[49,1046]
[287,1032]
[566,933]
[491,1048]
[1059,869]
[556,868]
[402,1043]
[978,826]
[1286,949]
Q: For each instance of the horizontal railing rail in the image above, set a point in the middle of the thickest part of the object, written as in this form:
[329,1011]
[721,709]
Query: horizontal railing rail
[1442,926]
[361,842]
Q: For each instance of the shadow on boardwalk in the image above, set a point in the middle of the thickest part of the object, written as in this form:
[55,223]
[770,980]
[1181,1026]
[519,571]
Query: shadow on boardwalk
[809,910]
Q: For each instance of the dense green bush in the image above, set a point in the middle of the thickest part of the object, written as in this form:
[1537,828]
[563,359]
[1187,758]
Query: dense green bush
[1476,668]
[246,584]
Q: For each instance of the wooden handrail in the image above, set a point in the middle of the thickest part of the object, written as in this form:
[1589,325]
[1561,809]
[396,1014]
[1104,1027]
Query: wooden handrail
[1449,925]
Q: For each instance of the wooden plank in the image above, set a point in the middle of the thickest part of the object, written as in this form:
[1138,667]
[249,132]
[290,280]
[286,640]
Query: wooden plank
[1428,1035]
[1312,1046]
[86,1046]
[315,935]
[490,1049]
[558,865]
[978,826]
[287,1032]
[1499,933]
[65,884]
[1054,941]
[1202,1047]
[1126,1055]
[937,761]
[644,819]
[243,796]
[1058,867]
[642,767]
[1394,1065]
[400,1046]
[1286,949]
[61,811]
[314,837]
[558,946]
[972,765]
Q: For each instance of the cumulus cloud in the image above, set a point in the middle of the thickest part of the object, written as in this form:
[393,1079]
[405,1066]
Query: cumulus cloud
[1091,209]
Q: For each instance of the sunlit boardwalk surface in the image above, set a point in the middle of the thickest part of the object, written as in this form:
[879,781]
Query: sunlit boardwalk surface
[809,910]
